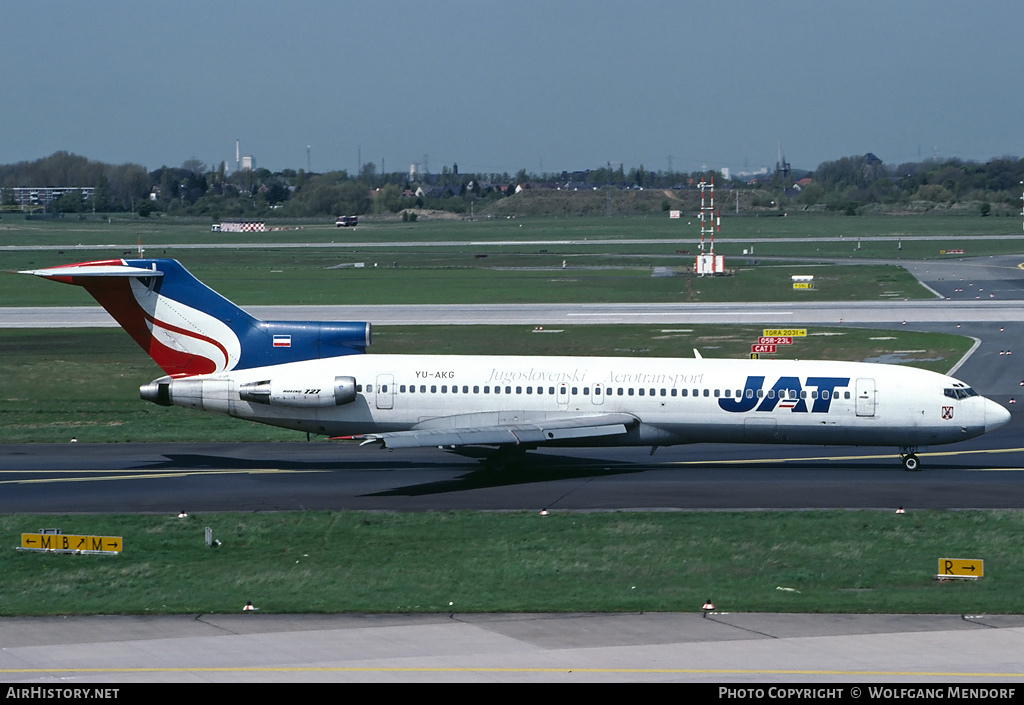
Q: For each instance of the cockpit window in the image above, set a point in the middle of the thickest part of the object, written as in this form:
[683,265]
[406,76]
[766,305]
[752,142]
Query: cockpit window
[959,392]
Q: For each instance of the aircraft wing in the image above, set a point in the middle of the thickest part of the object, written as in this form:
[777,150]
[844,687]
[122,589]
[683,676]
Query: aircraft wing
[436,433]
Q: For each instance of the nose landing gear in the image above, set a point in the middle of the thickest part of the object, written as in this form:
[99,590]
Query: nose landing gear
[909,459]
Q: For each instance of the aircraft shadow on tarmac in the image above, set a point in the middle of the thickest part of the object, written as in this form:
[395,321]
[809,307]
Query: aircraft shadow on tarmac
[547,468]
[535,468]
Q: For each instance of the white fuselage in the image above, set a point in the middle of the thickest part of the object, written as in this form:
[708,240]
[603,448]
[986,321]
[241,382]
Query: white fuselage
[673,400]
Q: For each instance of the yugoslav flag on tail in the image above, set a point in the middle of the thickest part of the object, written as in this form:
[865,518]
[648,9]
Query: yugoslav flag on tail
[189,329]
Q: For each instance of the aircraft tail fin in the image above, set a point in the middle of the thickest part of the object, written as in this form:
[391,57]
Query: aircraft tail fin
[189,329]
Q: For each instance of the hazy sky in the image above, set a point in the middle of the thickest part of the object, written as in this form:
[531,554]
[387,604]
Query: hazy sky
[545,85]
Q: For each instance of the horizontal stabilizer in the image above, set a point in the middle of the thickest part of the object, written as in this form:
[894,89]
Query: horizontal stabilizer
[104,270]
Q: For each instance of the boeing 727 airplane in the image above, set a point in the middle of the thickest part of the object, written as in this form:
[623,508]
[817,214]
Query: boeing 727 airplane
[315,377]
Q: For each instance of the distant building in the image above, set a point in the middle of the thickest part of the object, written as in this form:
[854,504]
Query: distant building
[32,197]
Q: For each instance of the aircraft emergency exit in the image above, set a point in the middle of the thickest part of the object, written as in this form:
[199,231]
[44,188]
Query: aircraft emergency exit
[315,377]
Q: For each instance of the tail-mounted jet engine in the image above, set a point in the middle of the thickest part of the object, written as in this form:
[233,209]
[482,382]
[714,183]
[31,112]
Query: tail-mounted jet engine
[210,394]
[299,393]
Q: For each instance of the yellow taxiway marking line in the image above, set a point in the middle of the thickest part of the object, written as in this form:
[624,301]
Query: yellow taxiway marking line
[139,475]
[884,456]
[486,669]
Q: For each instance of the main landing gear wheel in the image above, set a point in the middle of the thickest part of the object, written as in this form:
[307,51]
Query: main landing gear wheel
[910,462]
[505,458]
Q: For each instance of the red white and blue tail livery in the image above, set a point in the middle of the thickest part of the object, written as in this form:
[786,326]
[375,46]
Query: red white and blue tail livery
[189,329]
[312,376]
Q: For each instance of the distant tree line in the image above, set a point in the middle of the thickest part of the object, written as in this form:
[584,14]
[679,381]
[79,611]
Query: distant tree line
[195,189]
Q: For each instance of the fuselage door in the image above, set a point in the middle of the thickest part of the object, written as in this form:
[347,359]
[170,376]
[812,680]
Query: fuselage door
[865,397]
[597,395]
[385,391]
[562,395]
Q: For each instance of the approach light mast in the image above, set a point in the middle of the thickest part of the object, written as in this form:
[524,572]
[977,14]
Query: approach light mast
[710,222]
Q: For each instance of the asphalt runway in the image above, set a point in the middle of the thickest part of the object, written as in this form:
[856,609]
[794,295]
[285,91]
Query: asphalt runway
[987,472]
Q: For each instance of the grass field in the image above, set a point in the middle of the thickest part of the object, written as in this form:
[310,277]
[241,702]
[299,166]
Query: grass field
[125,232]
[248,280]
[462,262]
[829,561]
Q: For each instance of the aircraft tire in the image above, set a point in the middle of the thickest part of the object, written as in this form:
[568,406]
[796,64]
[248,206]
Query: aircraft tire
[911,463]
[505,458]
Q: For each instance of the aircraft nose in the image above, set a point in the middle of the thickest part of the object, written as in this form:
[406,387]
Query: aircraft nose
[995,415]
